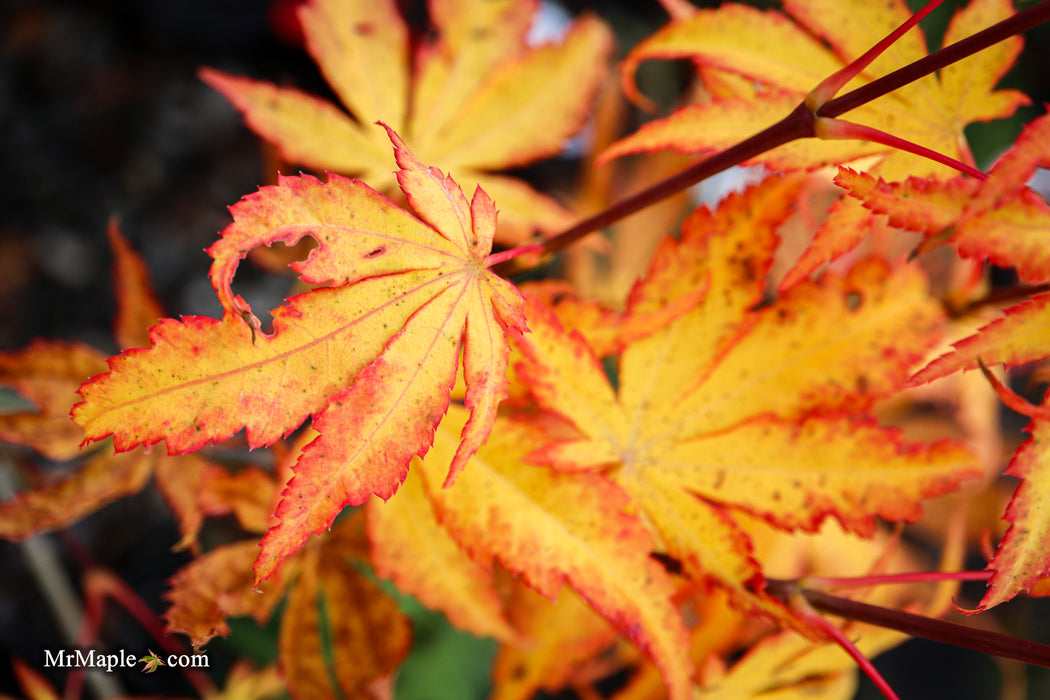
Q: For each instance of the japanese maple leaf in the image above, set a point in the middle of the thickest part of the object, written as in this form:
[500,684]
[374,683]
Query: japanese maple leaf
[475,99]
[725,409]
[554,528]
[371,357]
[150,662]
[1000,219]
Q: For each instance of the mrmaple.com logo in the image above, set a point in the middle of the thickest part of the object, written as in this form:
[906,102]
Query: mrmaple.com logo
[121,658]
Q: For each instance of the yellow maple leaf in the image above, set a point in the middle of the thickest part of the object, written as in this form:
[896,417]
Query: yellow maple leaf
[727,409]
[552,529]
[416,553]
[478,99]
[371,358]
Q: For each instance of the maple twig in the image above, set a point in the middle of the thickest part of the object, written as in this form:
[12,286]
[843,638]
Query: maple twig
[999,297]
[800,123]
[884,579]
[929,628]
[1015,24]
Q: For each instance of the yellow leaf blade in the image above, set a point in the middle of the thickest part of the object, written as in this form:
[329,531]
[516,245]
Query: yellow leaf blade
[564,376]
[204,379]
[362,50]
[796,474]
[721,124]
[968,84]
[833,344]
[416,553]
[527,106]
[474,36]
[1021,559]
[596,546]
[557,638]
[763,46]
[305,129]
[710,546]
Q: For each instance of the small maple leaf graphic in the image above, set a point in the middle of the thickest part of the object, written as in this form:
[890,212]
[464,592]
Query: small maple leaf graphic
[152,661]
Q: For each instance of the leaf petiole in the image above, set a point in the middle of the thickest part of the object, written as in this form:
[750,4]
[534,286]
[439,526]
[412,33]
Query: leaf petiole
[918,625]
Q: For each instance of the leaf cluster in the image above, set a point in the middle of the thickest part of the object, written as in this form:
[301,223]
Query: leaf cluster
[621,470]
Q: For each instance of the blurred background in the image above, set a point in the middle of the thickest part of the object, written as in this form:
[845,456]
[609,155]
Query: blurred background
[102,115]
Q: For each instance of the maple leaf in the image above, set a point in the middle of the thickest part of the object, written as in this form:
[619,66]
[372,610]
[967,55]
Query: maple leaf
[479,98]
[1022,559]
[47,373]
[505,509]
[416,553]
[724,408]
[151,662]
[371,358]
[102,479]
[1000,219]
[217,586]
[1005,221]
[329,604]
[369,637]
[557,639]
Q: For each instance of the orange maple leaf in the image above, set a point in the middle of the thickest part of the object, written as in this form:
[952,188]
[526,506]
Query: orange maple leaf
[727,409]
[371,357]
[330,602]
[479,97]
[1000,219]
